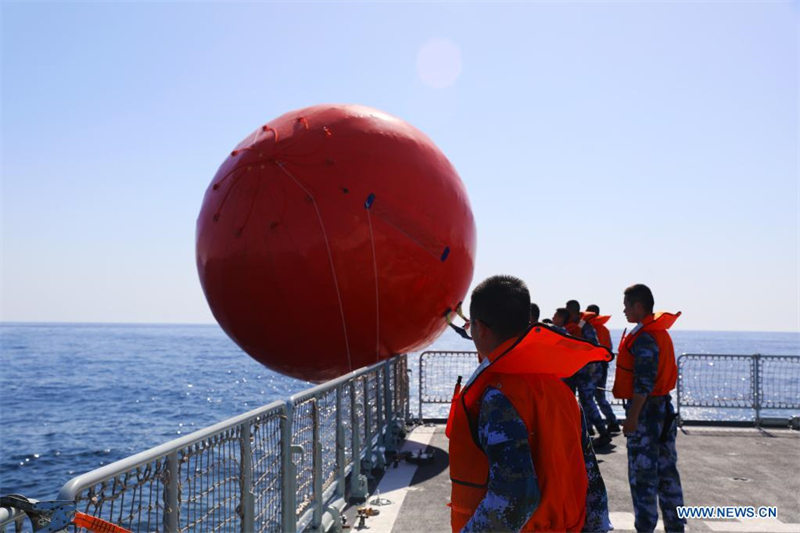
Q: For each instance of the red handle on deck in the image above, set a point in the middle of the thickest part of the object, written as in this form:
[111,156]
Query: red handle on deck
[97,525]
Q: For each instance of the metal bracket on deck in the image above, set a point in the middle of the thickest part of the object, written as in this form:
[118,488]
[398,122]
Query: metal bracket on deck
[359,487]
[379,458]
[56,516]
[48,517]
[297,449]
[336,518]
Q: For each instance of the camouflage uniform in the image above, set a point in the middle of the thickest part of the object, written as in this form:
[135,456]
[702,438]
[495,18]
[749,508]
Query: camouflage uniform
[601,378]
[597,519]
[585,382]
[513,494]
[652,458]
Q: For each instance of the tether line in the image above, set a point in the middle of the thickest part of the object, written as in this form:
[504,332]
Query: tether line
[368,205]
[330,257]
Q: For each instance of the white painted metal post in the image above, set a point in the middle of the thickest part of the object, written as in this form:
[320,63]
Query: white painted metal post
[358,481]
[340,458]
[390,440]
[757,387]
[246,479]
[367,427]
[421,381]
[316,480]
[289,472]
[171,494]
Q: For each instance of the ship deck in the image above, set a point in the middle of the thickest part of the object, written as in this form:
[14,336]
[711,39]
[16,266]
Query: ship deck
[719,466]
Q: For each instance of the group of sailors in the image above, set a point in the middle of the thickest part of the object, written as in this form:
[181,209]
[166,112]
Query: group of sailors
[590,381]
[520,454]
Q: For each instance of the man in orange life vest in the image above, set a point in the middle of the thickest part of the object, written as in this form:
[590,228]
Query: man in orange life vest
[519,457]
[604,339]
[585,380]
[646,373]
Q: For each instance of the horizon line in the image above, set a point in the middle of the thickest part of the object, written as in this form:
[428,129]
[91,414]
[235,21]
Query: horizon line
[71,323]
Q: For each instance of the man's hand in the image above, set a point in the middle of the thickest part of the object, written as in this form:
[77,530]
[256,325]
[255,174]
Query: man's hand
[632,416]
[629,427]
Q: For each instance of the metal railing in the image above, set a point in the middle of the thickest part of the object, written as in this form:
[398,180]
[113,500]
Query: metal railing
[439,370]
[438,373]
[755,382]
[283,467]
[288,466]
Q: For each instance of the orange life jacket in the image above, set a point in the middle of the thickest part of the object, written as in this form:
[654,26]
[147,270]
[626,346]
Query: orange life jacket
[527,371]
[574,329]
[598,323]
[667,373]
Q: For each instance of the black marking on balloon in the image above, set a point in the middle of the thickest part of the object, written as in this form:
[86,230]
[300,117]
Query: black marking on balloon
[446,253]
[345,190]
[370,200]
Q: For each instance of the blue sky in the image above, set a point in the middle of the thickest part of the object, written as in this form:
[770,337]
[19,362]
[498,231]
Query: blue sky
[601,143]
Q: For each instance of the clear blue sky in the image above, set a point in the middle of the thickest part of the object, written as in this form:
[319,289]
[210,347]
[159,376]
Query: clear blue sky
[602,143]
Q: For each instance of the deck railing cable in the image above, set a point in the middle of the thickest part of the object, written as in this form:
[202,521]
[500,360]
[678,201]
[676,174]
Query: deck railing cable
[757,383]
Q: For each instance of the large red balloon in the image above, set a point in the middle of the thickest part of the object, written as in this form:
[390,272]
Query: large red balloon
[333,237]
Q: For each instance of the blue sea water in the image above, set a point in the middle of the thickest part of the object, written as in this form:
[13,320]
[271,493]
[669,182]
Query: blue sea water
[74,397]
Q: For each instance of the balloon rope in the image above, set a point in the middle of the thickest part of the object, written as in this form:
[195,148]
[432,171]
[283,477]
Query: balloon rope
[229,190]
[330,257]
[377,302]
[252,144]
[250,209]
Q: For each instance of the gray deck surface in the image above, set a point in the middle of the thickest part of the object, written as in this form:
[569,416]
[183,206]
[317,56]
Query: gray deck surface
[718,466]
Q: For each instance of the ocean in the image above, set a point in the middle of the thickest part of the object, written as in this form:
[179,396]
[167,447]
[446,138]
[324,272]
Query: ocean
[74,397]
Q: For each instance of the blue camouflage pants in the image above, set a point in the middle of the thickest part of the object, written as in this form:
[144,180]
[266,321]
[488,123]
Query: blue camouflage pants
[652,466]
[583,381]
[600,394]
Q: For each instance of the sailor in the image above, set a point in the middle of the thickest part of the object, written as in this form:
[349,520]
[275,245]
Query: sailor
[592,315]
[462,332]
[585,381]
[534,313]
[518,460]
[560,319]
[646,373]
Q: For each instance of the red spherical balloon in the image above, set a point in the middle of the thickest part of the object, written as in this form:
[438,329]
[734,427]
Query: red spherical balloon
[333,237]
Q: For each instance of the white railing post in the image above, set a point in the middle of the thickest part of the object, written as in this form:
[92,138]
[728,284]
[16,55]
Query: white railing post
[757,387]
[678,392]
[367,427]
[289,486]
[316,478]
[246,479]
[171,494]
[340,458]
[421,381]
[358,481]
[390,439]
